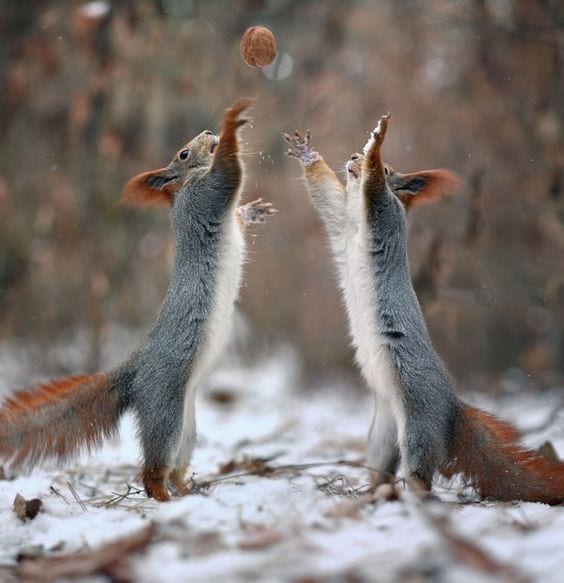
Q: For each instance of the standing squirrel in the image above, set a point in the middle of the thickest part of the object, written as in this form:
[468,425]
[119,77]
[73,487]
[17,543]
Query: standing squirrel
[202,184]
[419,422]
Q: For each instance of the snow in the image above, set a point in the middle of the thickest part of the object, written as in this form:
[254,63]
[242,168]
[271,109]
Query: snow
[297,524]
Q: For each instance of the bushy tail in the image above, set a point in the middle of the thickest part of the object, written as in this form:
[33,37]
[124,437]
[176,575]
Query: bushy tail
[58,419]
[487,452]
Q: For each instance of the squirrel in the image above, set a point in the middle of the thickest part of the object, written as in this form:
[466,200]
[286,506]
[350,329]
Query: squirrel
[202,184]
[419,426]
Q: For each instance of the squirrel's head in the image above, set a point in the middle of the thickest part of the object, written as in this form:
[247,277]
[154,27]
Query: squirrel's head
[161,186]
[354,168]
[413,188]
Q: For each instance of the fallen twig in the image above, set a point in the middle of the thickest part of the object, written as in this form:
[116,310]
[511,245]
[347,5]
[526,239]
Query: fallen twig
[339,486]
[263,469]
[55,491]
[131,490]
[76,497]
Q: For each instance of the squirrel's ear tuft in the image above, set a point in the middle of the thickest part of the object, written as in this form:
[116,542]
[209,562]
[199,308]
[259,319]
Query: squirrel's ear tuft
[150,188]
[426,186]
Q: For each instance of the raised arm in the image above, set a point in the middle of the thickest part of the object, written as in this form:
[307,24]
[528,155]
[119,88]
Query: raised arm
[325,189]
[373,171]
[227,170]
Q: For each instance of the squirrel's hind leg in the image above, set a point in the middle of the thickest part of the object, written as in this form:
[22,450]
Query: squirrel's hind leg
[154,480]
[420,457]
[160,431]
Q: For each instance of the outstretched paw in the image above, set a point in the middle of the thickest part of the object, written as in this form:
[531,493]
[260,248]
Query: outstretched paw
[256,212]
[301,148]
[377,136]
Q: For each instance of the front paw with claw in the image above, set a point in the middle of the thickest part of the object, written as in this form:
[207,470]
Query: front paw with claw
[301,148]
[256,211]
[377,136]
[232,119]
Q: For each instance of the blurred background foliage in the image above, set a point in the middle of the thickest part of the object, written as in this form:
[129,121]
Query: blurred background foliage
[94,93]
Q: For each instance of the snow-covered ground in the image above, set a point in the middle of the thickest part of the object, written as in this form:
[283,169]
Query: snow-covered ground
[294,523]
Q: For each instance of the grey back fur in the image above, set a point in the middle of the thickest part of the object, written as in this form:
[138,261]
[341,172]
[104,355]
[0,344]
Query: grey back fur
[153,380]
[430,404]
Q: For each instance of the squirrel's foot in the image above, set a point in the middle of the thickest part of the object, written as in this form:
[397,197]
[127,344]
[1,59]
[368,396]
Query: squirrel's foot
[382,486]
[386,492]
[378,478]
[185,489]
[256,212]
[301,148]
[182,485]
[177,476]
[377,136]
[155,484]
[420,487]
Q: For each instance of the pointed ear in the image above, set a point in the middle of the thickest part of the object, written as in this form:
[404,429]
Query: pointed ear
[426,186]
[151,188]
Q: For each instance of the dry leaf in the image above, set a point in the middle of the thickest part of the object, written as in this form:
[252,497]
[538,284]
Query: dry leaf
[255,465]
[26,509]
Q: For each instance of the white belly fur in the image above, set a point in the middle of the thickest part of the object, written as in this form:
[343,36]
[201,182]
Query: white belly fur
[371,351]
[220,320]
[230,269]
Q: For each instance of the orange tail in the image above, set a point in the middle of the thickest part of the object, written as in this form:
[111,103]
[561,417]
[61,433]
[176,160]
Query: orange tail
[58,419]
[487,452]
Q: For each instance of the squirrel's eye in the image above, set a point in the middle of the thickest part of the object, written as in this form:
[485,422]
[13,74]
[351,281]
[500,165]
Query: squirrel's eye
[183,155]
[386,170]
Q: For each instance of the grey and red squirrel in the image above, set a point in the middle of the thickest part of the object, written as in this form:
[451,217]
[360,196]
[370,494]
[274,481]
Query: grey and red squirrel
[203,185]
[419,425]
